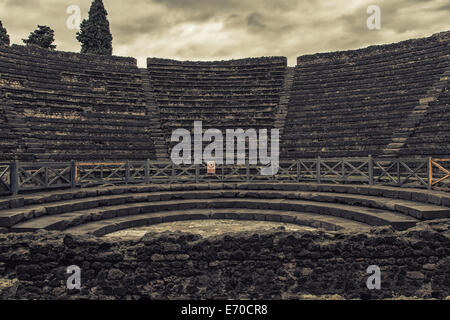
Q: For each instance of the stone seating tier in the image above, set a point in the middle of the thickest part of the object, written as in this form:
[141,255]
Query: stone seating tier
[107,209]
[223,94]
[382,100]
[75,107]
[350,103]
[432,137]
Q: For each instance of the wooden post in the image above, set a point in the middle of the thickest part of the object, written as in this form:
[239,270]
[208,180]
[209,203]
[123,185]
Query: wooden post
[370,170]
[298,170]
[430,173]
[127,172]
[14,177]
[73,174]
[319,178]
[197,173]
[46,180]
[247,170]
[172,180]
[147,172]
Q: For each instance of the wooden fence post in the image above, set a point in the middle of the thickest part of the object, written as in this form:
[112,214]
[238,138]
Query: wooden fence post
[247,171]
[46,179]
[172,177]
[147,172]
[319,178]
[370,160]
[14,177]
[73,174]
[127,172]
[430,173]
[197,173]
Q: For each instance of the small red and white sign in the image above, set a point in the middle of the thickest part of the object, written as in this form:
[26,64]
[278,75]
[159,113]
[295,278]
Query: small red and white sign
[211,167]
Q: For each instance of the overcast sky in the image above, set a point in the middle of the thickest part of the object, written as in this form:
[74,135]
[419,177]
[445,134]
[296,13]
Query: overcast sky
[230,29]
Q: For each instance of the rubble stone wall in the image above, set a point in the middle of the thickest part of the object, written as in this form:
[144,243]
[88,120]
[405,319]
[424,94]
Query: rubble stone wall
[265,265]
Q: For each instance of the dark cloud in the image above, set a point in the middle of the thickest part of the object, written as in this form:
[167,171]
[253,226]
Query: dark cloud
[229,29]
[196,5]
[255,21]
[445,7]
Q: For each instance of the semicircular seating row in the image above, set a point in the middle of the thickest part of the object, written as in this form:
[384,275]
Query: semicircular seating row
[104,210]
[356,103]
[63,106]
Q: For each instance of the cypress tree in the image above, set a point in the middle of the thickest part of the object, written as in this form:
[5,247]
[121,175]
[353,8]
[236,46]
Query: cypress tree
[42,37]
[4,37]
[94,35]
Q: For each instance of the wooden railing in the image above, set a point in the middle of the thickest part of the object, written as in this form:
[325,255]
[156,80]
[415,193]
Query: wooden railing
[17,177]
[439,173]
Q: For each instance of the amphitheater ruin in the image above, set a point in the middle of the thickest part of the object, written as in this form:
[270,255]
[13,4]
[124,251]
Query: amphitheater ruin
[364,157]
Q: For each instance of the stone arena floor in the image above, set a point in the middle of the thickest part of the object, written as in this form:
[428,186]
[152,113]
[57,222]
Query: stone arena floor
[206,228]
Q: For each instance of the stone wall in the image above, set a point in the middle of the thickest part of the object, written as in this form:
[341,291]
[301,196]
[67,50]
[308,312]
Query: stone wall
[357,102]
[267,265]
[67,106]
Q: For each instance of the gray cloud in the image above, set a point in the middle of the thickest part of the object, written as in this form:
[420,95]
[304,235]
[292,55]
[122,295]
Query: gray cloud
[21,3]
[255,21]
[229,29]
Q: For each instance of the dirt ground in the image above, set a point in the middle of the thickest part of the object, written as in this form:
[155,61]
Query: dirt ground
[206,228]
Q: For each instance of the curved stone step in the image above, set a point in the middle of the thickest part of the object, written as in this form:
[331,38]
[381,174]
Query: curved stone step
[100,228]
[374,217]
[11,217]
[416,195]
[411,208]
[413,194]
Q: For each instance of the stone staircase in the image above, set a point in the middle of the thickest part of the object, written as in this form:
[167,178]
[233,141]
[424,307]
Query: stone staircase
[282,109]
[156,133]
[406,130]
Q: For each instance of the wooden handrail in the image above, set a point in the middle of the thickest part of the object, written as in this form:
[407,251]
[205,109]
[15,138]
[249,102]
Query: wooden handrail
[85,164]
[434,162]
[370,170]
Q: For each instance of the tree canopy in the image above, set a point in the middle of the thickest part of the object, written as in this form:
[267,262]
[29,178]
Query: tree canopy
[42,37]
[4,37]
[95,35]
